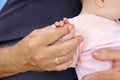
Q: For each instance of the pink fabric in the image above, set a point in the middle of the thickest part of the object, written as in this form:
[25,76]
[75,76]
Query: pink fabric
[98,33]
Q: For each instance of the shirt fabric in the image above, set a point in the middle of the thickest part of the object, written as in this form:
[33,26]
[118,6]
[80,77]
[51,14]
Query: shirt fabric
[2,3]
[98,33]
[20,17]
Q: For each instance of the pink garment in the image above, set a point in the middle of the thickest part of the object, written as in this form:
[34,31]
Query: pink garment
[98,33]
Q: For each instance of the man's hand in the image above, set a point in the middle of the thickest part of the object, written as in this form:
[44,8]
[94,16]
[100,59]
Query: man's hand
[112,74]
[37,52]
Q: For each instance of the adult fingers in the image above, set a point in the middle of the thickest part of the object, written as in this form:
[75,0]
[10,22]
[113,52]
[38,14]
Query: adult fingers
[113,74]
[64,48]
[105,75]
[51,61]
[107,54]
[66,58]
[60,67]
[64,66]
[68,36]
[71,32]
[62,63]
[63,51]
[48,35]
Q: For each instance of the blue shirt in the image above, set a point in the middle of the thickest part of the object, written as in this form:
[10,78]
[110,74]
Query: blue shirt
[2,3]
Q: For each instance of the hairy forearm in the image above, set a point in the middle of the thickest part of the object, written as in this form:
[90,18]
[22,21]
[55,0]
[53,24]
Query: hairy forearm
[10,62]
[7,67]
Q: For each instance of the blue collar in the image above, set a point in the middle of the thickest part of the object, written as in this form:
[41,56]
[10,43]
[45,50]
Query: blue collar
[2,3]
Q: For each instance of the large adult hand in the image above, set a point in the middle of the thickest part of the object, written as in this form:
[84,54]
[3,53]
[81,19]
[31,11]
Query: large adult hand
[36,53]
[112,74]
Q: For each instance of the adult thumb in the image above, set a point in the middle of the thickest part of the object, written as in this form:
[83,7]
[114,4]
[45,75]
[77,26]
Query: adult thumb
[106,54]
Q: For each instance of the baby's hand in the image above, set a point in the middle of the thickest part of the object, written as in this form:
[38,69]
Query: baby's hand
[71,30]
[60,23]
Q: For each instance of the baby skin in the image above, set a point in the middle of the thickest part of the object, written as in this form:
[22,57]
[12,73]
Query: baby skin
[64,23]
